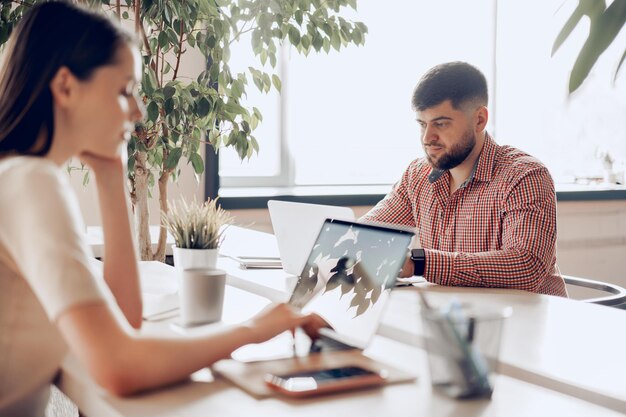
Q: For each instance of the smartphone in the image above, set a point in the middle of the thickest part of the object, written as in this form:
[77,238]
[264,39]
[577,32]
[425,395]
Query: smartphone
[307,383]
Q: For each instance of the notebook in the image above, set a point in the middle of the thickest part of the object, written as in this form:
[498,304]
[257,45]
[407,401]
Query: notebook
[296,225]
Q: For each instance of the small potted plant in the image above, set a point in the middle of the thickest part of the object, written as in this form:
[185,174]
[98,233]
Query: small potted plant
[198,231]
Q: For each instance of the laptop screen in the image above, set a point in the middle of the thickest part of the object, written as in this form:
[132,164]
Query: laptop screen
[347,277]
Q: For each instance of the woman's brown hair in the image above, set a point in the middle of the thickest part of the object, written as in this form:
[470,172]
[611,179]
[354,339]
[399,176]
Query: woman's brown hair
[49,36]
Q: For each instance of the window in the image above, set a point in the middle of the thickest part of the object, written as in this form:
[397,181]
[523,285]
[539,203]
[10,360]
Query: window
[571,134]
[345,118]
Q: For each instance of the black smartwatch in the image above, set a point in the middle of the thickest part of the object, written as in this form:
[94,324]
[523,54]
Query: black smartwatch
[418,256]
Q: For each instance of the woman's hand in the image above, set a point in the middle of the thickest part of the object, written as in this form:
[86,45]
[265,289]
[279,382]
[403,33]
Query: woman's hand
[104,167]
[278,318]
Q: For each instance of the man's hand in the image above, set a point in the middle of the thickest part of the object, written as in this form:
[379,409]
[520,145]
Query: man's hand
[408,270]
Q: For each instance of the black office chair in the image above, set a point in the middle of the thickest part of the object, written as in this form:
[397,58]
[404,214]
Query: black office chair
[617,297]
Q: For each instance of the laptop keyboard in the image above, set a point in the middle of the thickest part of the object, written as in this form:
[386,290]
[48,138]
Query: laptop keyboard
[327,344]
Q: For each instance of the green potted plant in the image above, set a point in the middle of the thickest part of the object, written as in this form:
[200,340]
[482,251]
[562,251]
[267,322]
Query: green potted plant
[198,231]
[184,113]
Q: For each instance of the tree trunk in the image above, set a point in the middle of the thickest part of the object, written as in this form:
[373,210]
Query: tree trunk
[142,214]
[161,246]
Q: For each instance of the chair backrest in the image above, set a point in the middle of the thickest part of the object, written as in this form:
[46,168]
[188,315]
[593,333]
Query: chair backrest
[617,295]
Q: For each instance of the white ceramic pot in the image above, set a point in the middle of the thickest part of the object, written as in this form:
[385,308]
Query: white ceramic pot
[194,258]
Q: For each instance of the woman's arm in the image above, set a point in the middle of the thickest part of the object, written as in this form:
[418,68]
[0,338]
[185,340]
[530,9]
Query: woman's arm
[123,362]
[120,259]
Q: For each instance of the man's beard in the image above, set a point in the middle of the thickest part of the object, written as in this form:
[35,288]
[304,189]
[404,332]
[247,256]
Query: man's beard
[457,154]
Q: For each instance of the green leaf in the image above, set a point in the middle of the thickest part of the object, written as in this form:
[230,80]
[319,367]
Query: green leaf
[257,113]
[276,82]
[335,40]
[214,138]
[173,158]
[168,106]
[162,40]
[147,84]
[294,35]
[257,45]
[169,91]
[255,144]
[318,42]
[357,37]
[197,163]
[153,111]
[267,83]
[257,81]
[602,32]
[254,122]
[245,126]
[237,89]
[204,107]
[590,8]
[621,61]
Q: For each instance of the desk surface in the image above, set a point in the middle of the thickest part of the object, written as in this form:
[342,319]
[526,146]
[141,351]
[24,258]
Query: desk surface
[559,357]
[565,345]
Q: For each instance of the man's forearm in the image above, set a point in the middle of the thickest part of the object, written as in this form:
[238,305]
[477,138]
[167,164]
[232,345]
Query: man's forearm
[507,268]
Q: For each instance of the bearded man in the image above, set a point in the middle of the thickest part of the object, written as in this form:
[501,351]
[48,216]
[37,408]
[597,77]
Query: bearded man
[485,214]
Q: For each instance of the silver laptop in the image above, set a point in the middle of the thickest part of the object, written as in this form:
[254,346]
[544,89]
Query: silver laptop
[347,279]
[296,225]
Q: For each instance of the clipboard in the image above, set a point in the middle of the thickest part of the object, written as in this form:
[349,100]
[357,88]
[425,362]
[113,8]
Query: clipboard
[250,376]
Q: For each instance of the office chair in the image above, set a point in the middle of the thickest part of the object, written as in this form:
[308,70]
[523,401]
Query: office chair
[617,297]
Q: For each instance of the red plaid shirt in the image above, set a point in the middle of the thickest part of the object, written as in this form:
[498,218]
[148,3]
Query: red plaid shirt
[497,230]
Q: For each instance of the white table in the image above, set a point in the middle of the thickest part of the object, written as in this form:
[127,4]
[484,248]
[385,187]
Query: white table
[559,357]
[565,345]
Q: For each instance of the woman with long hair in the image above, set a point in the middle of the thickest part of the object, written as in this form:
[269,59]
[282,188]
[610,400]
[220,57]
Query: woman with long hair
[68,89]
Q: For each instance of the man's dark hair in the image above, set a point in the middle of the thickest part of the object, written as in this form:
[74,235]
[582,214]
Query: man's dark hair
[458,82]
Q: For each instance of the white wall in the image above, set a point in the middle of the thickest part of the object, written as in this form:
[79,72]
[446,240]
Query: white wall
[187,185]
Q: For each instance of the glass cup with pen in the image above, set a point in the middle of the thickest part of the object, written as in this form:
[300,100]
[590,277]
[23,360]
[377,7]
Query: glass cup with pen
[463,347]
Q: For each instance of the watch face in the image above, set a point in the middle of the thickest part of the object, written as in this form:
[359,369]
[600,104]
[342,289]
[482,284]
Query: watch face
[417,254]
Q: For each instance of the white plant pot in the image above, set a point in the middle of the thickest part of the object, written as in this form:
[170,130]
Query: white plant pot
[194,258]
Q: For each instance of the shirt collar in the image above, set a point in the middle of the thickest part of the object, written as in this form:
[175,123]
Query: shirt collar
[483,168]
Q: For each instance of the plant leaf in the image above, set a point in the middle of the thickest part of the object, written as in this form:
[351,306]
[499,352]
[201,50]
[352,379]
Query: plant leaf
[602,32]
[169,91]
[621,61]
[197,163]
[153,111]
[585,7]
[173,158]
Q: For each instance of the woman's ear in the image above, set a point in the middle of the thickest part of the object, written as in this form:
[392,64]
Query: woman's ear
[63,87]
